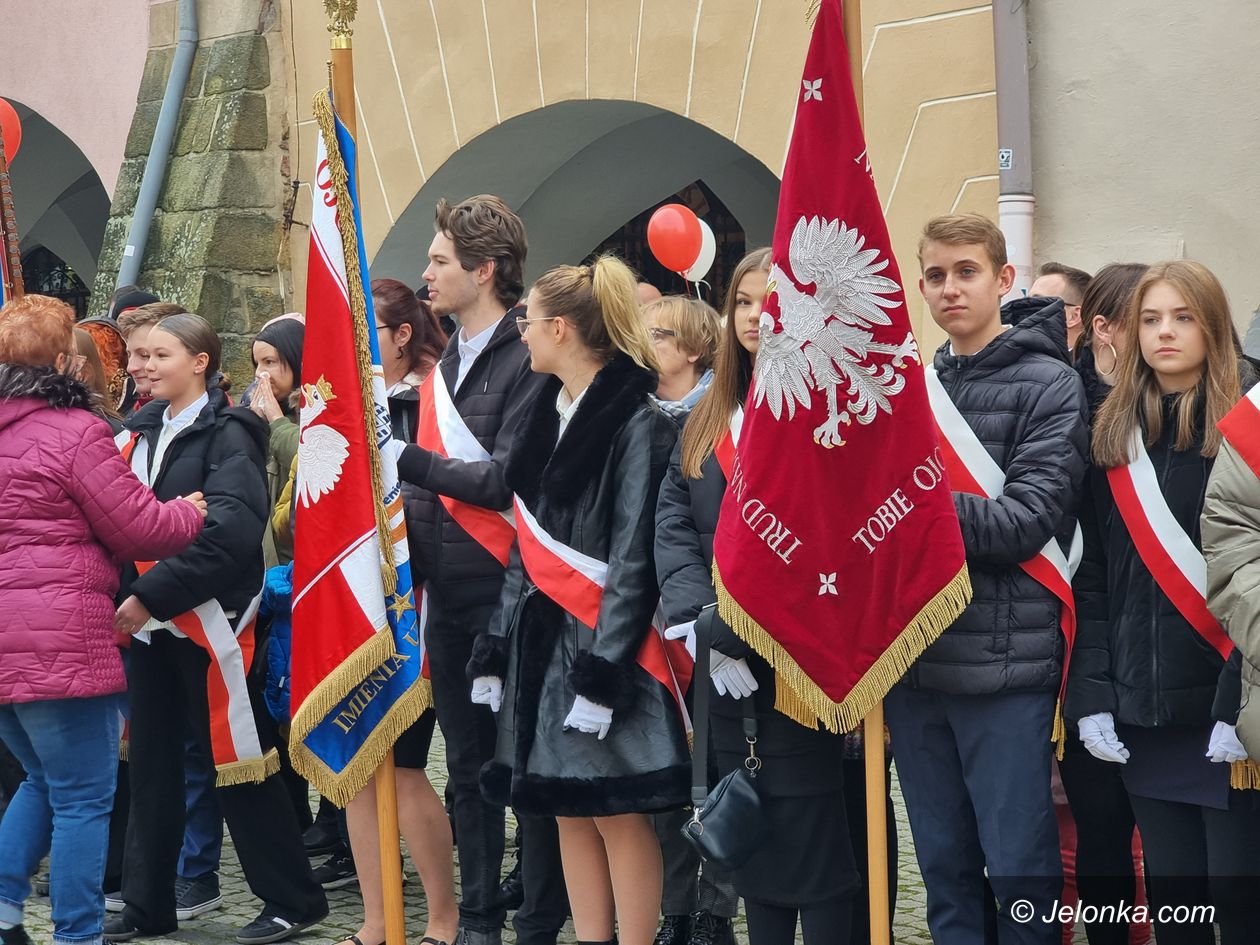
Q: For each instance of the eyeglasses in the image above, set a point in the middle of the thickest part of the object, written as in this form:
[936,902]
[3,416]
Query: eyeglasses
[382,327]
[660,334]
[522,323]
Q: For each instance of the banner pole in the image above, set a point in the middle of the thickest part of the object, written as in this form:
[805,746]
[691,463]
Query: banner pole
[341,15]
[10,254]
[873,724]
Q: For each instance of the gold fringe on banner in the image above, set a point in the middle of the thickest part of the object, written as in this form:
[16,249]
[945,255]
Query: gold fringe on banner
[802,700]
[340,178]
[341,788]
[1245,775]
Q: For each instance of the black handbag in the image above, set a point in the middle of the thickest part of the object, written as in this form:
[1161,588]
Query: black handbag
[728,825]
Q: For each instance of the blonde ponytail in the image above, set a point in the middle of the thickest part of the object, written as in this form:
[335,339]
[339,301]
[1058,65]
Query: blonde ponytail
[600,302]
[614,285]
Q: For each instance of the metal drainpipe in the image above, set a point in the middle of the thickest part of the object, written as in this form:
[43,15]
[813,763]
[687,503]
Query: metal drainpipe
[1016,202]
[160,150]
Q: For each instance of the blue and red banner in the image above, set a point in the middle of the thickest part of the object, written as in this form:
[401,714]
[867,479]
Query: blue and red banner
[357,650]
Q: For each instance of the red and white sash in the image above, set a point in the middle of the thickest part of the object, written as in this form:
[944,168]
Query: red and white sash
[972,469]
[442,430]
[238,754]
[576,582]
[1163,545]
[726,446]
[1241,426]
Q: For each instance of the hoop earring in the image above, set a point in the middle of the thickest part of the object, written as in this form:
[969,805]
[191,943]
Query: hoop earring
[400,352]
[1115,359]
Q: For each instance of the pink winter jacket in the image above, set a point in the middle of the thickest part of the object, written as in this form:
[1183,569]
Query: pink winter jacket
[70,511]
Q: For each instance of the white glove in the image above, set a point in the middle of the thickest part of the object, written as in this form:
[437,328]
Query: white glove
[589,717]
[1098,735]
[394,448]
[684,631]
[1224,744]
[488,690]
[731,676]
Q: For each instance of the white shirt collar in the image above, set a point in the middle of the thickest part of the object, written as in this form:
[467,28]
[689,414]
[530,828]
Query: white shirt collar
[567,406]
[185,416]
[471,347]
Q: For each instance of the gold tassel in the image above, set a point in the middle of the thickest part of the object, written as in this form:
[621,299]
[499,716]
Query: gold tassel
[1245,775]
[124,749]
[1058,731]
[251,771]
[341,788]
[802,700]
[340,179]
[811,14]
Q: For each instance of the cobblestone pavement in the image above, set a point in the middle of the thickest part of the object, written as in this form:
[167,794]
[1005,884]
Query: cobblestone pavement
[240,907]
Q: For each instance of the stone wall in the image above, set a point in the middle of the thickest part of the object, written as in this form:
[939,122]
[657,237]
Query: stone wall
[215,241]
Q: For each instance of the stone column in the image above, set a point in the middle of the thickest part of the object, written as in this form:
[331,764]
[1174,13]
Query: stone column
[215,243]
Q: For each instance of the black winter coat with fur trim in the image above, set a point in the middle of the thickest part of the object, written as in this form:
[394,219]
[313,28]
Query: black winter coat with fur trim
[595,490]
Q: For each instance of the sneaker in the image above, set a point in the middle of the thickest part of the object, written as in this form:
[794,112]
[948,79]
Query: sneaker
[674,930]
[194,897]
[271,928]
[710,929]
[15,936]
[337,871]
[114,901]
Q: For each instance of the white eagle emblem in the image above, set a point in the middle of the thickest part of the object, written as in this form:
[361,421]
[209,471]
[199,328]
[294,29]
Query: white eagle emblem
[825,340]
[322,451]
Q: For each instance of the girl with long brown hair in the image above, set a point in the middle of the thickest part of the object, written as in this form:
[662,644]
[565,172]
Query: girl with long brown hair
[1148,682]
[806,871]
[586,733]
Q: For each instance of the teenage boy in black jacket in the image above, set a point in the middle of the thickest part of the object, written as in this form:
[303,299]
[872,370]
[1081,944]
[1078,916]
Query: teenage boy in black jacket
[475,273]
[971,721]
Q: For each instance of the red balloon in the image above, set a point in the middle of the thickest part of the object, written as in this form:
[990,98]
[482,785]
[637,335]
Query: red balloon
[674,235]
[11,128]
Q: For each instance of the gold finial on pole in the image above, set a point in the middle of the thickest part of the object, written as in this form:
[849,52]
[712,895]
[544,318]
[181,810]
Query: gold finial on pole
[341,14]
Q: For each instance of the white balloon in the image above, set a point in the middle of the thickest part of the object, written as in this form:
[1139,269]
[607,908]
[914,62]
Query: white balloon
[708,251]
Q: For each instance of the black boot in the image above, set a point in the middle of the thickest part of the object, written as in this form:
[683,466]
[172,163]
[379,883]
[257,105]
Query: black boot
[710,929]
[674,930]
[512,890]
[15,936]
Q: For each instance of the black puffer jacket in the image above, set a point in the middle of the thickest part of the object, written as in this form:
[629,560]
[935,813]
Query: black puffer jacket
[1135,655]
[496,392]
[595,489]
[1027,406]
[798,761]
[222,453]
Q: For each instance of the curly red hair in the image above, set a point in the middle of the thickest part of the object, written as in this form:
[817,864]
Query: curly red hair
[34,330]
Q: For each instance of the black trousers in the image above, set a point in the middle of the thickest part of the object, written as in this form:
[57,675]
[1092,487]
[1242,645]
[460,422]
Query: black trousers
[824,923]
[469,731]
[1197,856]
[546,904]
[1104,836]
[168,698]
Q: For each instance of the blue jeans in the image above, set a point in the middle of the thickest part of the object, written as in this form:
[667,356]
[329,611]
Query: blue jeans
[69,748]
[203,821]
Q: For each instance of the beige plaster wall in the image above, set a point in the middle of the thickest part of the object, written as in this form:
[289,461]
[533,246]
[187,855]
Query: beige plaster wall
[1145,136]
[79,65]
[433,75]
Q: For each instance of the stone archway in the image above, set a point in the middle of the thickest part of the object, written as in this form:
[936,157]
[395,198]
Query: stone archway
[576,171]
[58,198]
